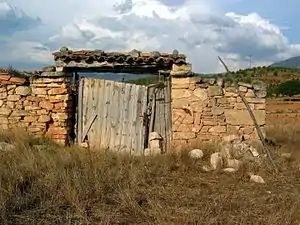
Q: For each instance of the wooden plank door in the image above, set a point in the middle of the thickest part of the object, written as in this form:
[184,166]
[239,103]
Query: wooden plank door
[111,115]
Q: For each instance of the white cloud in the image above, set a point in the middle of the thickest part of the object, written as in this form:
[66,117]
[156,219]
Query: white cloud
[196,28]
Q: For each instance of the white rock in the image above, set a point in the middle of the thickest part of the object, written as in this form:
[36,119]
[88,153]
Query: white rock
[257,179]
[234,163]
[6,146]
[206,168]
[154,136]
[152,152]
[226,151]
[155,143]
[229,170]
[286,155]
[216,160]
[254,151]
[196,154]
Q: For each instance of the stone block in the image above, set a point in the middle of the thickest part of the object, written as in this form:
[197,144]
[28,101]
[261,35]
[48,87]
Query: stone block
[18,113]
[3,120]
[181,93]
[243,89]
[3,89]
[60,116]
[30,119]
[241,105]
[3,95]
[44,118]
[214,91]
[218,129]
[5,111]
[217,111]
[10,87]
[10,105]
[256,100]
[30,108]
[59,98]
[23,90]
[259,106]
[201,94]
[261,94]
[58,91]
[242,117]
[39,91]
[243,84]
[183,135]
[4,76]
[57,130]
[250,94]
[13,98]
[46,105]
[17,80]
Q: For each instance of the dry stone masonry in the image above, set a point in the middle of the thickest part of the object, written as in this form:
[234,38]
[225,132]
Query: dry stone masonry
[39,103]
[206,109]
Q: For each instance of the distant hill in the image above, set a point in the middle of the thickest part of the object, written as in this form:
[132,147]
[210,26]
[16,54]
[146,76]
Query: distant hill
[293,62]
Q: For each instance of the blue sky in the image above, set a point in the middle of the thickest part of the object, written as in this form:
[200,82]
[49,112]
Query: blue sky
[233,29]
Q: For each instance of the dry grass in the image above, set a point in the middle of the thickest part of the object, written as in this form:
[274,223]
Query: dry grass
[73,186]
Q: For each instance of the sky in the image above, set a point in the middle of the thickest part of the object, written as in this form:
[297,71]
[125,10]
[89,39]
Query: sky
[235,30]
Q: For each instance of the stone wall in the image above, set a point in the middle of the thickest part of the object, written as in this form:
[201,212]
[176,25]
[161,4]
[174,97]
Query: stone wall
[39,103]
[207,109]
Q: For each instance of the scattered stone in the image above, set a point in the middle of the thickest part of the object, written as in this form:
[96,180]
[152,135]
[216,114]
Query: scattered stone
[257,179]
[216,161]
[206,168]
[196,154]
[152,152]
[253,151]
[6,146]
[230,170]
[286,155]
[234,163]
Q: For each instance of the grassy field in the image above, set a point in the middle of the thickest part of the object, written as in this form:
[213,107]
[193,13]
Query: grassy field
[74,186]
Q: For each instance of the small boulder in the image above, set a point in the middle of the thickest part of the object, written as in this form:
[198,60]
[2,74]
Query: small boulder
[6,147]
[234,163]
[216,160]
[257,179]
[152,152]
[253,151]
[286,155]
[196,154]
[229,170]
[226,151]
[154,136]
[206,168]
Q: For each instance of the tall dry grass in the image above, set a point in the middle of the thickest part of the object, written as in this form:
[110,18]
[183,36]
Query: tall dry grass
[74,186]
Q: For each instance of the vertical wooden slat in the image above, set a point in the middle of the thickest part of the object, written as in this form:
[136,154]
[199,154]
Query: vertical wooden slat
[91,112]
[104,114]
[121,104]
[132,117]
[125,121]
[115,114]
[141,132]
[80,111]
[168,113]
[99,121]
[138,129]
